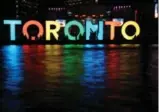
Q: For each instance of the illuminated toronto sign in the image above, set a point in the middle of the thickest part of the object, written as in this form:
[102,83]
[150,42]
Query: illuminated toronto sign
[85,30]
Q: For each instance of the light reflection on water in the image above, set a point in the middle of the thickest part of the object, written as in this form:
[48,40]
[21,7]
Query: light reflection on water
[13,68]
[70,80]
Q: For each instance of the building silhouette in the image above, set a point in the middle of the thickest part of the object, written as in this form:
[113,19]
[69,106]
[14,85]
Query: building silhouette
[72,3]
[27,8]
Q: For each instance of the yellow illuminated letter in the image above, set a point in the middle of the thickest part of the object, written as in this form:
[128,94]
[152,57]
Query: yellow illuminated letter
[53,31]
[123,30]
[112,24]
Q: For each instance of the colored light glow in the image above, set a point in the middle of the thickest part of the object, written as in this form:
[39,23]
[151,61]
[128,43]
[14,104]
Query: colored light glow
[112,46]
[129,64]
[100,45]
[73,46]
[29,23]
[113,64]
[72,71]
[56,48]
[61,22]
[156,10]
[121,20]
[54,66]
[88,27]
[83,21]
[136,13]
[130,45]
[36,69]
[14,68]
[79,25]
[96,1]
[84,15]
[12,24]
[94,28]
[73,68]
[113,70]
[94,46]
[112,26]
[97,68]
[89,46]
[132,23]
[76,15]
[53,31]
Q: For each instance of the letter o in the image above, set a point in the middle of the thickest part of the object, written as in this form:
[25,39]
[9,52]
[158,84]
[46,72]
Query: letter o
[123,30]
[78,24]
[32,22]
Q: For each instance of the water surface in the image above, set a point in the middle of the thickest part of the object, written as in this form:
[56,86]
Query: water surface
[74,78]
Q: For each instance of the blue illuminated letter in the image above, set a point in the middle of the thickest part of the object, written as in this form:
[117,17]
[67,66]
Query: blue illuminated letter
[94,28]
[12,24]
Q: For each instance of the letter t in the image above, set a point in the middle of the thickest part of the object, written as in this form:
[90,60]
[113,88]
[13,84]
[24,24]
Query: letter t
[12,24]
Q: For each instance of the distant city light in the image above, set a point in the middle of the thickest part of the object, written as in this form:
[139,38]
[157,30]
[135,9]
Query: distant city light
[121,7]
[136,13]
[62,22]
[76,15]
[26,8]
[101,15]
[69,13]
[84,15]
[156,10]
[121,20]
